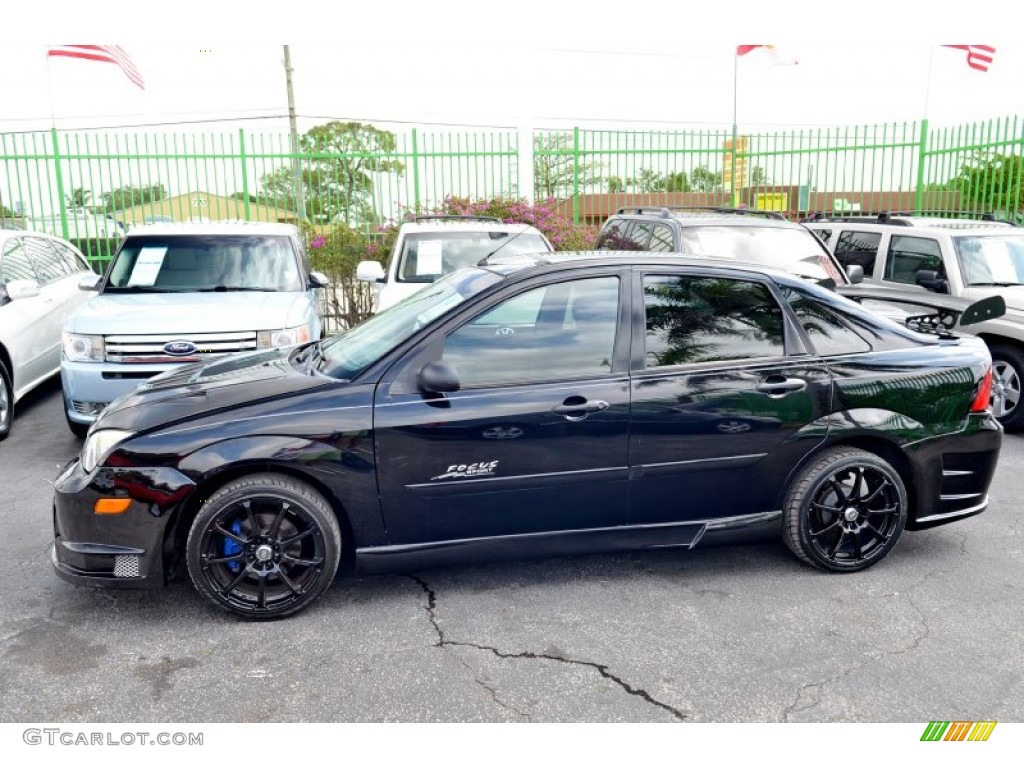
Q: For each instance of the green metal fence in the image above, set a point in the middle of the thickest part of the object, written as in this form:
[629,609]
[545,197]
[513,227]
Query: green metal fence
[87,186]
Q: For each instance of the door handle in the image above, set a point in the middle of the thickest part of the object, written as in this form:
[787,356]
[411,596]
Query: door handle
[779,386]
[577,408]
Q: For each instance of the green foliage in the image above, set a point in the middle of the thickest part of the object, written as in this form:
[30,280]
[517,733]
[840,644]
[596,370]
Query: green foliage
[558,228]
[648,180]
[78,198]
[555,168]
[339,161]
[759,177]
[704,180]
[991,182]
[126,197]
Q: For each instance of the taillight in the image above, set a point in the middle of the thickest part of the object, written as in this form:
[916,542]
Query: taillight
[981,400]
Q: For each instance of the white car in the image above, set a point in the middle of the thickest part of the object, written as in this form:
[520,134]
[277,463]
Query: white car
[181,293]
[432,246]
[39,277]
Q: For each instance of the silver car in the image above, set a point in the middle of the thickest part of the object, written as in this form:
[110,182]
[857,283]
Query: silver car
[39,277]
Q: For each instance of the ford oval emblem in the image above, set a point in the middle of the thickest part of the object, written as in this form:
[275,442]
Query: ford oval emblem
[179,348]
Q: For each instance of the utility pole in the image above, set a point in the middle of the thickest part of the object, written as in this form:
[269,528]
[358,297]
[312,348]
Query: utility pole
[300,197]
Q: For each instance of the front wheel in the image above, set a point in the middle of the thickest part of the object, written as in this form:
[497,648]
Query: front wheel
[6,402]
[1007,371]
[264,546]
[845,510]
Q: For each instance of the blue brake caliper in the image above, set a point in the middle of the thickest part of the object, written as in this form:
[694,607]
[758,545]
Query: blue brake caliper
[232,547]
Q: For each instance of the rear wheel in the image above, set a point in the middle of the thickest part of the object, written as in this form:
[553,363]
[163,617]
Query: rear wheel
[6,402]
[264,546]
[1007,372]
[845,510]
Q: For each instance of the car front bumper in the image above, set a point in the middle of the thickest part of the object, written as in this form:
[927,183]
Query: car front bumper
[107,550]
[90,387]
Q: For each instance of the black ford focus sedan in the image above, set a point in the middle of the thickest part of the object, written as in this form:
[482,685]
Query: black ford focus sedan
[540,406]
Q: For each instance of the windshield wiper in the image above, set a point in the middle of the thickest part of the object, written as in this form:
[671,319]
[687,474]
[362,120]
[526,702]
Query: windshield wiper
[998,285]
[225,288]
[312,357]
[138,289]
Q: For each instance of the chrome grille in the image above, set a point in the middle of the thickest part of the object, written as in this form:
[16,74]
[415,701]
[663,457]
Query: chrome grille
[126,566]
[150,349]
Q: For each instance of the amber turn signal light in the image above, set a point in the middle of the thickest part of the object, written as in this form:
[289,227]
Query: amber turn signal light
[111,506]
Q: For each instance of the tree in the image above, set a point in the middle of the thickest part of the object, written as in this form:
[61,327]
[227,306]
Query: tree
[339,161]
[703,179]
[79,198]
[126,197]
[555,169]
[991,182]
[758,177]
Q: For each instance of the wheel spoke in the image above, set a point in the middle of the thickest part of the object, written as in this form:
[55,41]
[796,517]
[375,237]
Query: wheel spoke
[835,547]
[881,486]
[885,536]
[272,533]
[235,582]
[302,561]
[261,598]
[857,549]
[254,526]
[838,490]
[825,507]
[227,559]
[289,583]
[884,510]
[298,536]
[229,534]
[827,528]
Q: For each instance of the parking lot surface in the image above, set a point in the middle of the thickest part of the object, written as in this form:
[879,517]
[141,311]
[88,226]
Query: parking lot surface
[735,633]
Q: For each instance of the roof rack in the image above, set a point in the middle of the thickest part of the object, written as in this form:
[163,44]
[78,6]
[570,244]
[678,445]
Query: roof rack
[666,211]
[456,217]
[898,217]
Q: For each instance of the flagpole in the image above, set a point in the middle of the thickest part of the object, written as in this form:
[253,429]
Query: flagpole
[49,92]
[928,80]
[732,154]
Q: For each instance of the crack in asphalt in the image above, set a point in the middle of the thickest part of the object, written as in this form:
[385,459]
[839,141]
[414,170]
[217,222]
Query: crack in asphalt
[602,669]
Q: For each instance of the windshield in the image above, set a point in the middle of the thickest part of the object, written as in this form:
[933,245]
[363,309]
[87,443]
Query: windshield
[991,259]
[351,352]
[426,256]
[186,263]
[796,251]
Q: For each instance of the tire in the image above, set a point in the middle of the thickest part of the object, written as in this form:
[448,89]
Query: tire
[264,546]
[1007,373]
[6,402]
[837,485]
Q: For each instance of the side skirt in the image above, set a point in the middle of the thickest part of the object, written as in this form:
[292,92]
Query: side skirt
[525,546]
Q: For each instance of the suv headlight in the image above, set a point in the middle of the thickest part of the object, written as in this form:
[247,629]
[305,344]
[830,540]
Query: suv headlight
[79,348]
[282,337]
[99,444]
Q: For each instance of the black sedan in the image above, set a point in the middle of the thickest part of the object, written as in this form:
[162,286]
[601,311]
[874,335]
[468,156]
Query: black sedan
[536,407]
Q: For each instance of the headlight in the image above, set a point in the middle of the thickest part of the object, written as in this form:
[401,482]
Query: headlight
[99,444]
[79,348]
[283,337]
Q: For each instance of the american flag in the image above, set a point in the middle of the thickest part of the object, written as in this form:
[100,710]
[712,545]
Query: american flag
[978,56]
[112,54]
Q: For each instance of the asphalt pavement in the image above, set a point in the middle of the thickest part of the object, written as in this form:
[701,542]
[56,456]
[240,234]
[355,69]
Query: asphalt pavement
[740,633]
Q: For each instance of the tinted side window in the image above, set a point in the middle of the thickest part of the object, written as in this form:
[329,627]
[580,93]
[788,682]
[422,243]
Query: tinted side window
[909,254]
[706,319]
[613,237]
[861,248]
[661,239]
[15,264]
[49,265]
[74,262]
[828,333]
[561,331]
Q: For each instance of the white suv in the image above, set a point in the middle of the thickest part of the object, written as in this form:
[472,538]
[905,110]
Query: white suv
[179,293]
[432,246]
[969,258]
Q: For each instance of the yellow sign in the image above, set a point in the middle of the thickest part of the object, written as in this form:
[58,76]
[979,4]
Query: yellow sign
[771,201]
[742,145]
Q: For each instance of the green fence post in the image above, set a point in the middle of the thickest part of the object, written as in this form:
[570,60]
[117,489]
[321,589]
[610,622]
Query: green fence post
[922,153]
[415,173]
[245,174]
[60,185]
[575,175]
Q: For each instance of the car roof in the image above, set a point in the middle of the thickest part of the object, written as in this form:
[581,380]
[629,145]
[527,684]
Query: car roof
[545,262]
[946,226]
[466,226]
[171,229]
[707,215]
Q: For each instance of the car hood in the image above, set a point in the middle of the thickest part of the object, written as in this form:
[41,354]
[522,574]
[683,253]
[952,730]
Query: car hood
[180,314]
[195,390]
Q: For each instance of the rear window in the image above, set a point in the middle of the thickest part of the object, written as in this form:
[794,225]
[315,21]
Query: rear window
[190,263]
[426,256]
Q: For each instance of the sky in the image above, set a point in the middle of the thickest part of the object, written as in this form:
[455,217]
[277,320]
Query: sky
[520,64]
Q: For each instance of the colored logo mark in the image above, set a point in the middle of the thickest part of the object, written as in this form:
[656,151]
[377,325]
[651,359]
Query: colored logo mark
[960,730]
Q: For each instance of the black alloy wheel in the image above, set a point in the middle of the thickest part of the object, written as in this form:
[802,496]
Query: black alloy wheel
[264,546]
[845,510]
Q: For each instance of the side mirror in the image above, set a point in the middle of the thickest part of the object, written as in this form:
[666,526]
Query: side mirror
[89,282]
[929,278]
[22,289]
[370,272]
[319,280]
[855,273]
[437,377]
